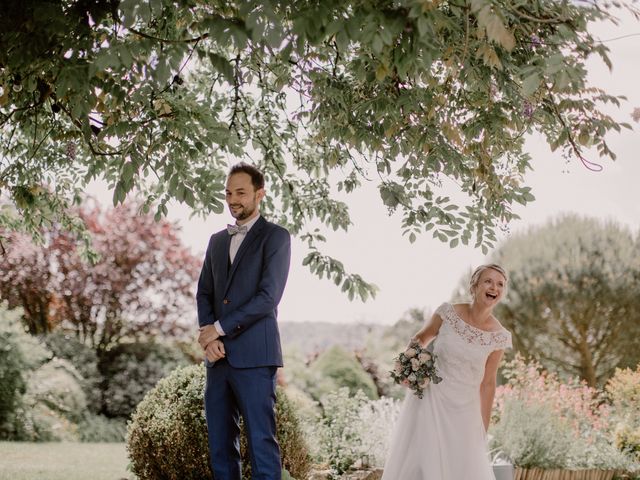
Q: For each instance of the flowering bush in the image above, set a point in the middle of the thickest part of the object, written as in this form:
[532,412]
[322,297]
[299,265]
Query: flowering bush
[623,390]
[355,430]
[375,423]
[532,435]
[415,368]
[540,421]
[340,441]
[628,440]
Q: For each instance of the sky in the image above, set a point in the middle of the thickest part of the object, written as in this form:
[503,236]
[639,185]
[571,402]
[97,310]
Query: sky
[424,274]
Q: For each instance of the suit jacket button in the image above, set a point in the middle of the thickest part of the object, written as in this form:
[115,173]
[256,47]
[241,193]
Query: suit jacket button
[225,301]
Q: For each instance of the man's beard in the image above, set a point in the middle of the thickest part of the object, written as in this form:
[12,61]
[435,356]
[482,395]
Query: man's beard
[244,212]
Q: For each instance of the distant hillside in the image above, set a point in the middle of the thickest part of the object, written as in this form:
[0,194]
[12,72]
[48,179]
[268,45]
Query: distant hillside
[317,336]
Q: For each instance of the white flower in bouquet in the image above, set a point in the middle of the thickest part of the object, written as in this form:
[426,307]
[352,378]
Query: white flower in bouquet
[424,357]
[415,364]
[410,352]
[412,378]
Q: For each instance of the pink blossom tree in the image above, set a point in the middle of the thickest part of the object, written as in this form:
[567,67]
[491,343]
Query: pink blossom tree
[140,285]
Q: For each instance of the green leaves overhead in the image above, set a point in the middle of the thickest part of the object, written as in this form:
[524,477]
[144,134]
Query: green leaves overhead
[157,97]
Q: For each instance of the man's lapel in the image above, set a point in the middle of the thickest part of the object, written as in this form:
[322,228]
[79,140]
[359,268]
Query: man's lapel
[252,235]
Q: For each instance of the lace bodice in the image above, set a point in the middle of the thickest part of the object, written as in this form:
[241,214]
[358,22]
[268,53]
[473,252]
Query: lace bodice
[499,340]
[462,349]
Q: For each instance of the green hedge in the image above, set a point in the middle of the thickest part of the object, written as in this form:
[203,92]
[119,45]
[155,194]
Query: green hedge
[337,368]
[84,359]
[12,366]
[130,370]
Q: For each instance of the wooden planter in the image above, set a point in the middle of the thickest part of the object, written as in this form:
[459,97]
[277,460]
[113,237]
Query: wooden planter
[542,474]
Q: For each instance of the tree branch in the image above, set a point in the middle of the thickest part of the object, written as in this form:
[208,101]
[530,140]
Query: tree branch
[168,40]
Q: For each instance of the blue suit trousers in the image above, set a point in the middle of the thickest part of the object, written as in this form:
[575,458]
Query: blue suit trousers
[250,392]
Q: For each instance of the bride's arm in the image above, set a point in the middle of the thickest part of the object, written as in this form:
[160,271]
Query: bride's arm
[429,331]
[488,386]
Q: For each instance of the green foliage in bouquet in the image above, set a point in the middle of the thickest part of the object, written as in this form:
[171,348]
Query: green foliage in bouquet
[167,436]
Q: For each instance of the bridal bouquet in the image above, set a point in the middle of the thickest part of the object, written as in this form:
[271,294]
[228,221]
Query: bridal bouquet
[415,368]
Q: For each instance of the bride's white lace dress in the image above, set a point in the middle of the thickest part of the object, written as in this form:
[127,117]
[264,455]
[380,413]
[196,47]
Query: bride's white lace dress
[441,436]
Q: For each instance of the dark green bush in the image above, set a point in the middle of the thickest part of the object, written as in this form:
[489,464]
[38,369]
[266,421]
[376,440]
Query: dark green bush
[167,436]
[338,368]
[51,406]
[40,399]
[98,428]
[12,368]
[84,359]
[130,370]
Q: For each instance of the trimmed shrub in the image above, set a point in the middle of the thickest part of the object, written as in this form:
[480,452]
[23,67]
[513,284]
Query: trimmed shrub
[52,405]
[339,369]
[167,436]
[12,367]
[84,359]
[57,385]
[20,355]
[98,428]
[130,370]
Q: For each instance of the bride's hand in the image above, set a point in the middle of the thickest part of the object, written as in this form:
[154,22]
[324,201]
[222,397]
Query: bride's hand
[415,341]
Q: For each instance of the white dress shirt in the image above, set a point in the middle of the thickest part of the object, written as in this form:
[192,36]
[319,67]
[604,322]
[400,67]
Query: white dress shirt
[234,246]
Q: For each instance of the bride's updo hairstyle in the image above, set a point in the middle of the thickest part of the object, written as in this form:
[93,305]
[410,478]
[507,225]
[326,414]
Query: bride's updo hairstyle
[477,273]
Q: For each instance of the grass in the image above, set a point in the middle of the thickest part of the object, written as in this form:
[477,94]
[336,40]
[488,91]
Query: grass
[63,461]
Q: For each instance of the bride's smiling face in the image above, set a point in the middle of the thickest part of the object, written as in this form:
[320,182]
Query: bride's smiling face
[490,287]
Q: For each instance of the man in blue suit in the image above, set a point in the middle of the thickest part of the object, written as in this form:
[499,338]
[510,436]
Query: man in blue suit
[242,280]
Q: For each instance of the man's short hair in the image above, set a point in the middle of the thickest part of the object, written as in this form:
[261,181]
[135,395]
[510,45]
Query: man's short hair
[257,177]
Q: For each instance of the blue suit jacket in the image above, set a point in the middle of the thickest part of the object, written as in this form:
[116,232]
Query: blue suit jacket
[244,296]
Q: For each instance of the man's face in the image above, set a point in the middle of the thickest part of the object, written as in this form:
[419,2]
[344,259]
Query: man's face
[242,198]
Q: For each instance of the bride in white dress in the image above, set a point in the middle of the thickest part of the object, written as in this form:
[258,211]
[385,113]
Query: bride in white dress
[443,435]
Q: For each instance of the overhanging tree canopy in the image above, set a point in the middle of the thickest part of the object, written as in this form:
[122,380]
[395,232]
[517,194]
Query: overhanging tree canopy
[157,96]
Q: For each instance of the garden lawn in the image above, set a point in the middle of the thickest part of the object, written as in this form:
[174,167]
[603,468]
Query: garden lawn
[63,461]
